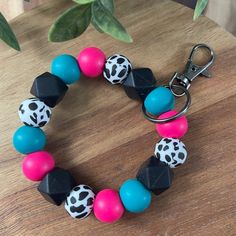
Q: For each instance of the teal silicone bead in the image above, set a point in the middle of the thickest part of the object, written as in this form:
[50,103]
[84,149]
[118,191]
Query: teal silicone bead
[28,139]
[66,68]
[159,100]
[135,197]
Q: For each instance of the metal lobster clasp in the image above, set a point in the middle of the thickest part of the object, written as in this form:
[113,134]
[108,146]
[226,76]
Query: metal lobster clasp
[192,70]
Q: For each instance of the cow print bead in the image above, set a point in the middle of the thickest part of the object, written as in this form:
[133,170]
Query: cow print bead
[117,68]
[171,151]
[79,202]
[33,112]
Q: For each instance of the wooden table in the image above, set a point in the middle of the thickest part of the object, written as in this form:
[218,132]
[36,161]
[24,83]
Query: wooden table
[101,136]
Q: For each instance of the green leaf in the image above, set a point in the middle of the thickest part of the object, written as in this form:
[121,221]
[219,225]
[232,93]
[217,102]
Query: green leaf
[200,6]
[71,24]
[104,19]
[7,35]
[109,4]
[96,26]
[83,1]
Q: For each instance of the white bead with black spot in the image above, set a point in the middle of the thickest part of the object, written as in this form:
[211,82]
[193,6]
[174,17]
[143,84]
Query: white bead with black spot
[35,113]
[171,151]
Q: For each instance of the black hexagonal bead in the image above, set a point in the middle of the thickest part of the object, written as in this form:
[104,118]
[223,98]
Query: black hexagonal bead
[139,83]
[56,185]
[155,175]
[49,88]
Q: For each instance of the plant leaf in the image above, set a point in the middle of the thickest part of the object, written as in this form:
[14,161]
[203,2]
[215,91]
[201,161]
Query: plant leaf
[108,23]
[109,4]
[83,1]
[7,35]
[96,26]
[71,24]
[200,6]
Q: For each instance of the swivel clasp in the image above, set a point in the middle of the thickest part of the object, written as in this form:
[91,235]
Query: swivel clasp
[192,70]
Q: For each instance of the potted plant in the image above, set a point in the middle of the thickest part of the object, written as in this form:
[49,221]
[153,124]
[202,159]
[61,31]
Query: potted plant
[75,20]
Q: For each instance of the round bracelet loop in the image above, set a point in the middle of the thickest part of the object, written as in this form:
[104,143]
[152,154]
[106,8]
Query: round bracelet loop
[180,113]
[58,185]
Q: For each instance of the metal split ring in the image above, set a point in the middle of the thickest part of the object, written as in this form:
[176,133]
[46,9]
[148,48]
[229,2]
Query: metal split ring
[180,113]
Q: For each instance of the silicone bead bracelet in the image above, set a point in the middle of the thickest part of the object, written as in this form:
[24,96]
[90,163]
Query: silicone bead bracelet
[56,184]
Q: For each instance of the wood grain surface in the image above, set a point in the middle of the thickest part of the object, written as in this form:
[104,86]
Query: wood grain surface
[101,136]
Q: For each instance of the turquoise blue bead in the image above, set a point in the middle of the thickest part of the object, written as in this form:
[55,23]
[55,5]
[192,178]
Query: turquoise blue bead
[28,139]
[159,100]
[66,68]
[135,197]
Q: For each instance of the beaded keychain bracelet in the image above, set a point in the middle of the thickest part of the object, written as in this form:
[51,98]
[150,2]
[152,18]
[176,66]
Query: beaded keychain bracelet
[155,174]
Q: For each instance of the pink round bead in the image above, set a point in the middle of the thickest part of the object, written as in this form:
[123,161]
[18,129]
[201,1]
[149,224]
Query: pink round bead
[173,129]
[107,206]
[37,164]
[91,61]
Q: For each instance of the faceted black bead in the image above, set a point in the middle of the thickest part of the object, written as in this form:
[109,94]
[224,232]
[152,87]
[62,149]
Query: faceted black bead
[56,185]
[155,175]
[139,83]
[49,88]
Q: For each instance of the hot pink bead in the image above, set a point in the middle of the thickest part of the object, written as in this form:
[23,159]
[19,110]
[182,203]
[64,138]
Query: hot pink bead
[173,129]
[37,164]
[91,61]
[107,206]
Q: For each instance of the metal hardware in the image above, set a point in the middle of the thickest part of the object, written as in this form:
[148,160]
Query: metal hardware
[183,82]
[192,70]
[180,113]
